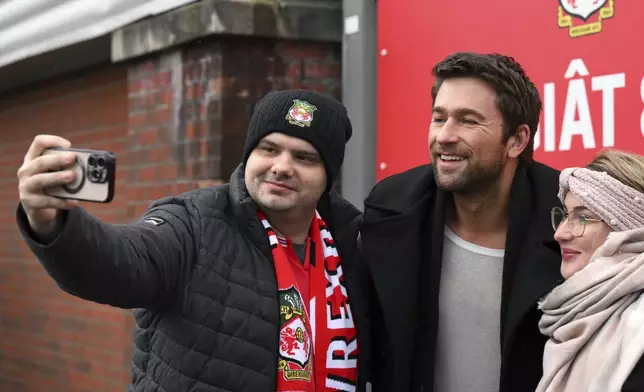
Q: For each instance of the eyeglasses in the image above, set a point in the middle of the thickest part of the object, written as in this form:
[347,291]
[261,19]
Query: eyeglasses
[576,220]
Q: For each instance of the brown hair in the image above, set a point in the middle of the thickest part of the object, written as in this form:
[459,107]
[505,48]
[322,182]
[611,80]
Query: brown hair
[517,99]
[625,167]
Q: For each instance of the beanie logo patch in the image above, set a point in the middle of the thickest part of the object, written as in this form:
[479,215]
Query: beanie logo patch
[301,113]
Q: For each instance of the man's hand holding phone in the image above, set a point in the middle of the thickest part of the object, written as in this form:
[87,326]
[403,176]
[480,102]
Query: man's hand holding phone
[39,172]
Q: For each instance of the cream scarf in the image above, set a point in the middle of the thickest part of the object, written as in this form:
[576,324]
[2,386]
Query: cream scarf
[595,320]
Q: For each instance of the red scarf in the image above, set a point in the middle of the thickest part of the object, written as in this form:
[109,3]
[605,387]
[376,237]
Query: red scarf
[318,343]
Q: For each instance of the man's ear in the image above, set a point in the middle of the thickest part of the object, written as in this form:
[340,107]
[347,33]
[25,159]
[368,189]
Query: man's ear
[518,142]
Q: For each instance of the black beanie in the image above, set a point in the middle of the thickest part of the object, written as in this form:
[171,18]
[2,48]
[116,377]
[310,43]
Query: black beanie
[316,118]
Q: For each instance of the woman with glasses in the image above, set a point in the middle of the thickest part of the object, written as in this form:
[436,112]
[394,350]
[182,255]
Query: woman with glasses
[595,319]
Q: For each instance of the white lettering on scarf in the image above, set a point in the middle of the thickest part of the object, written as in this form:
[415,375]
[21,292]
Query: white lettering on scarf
[341,353]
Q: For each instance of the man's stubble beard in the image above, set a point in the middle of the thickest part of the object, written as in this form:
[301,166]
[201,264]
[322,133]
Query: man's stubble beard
[474,178]
[275,203]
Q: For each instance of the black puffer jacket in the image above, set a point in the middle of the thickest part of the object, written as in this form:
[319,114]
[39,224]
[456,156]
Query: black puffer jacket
[200,268]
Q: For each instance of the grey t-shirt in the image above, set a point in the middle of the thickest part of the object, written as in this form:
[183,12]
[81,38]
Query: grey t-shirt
[468,351]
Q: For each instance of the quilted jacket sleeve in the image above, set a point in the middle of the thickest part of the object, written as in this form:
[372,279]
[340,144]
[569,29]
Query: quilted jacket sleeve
[139,265]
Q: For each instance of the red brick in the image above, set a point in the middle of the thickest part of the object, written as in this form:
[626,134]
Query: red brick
[294,69]
[140,207]
[314,68]
[190,130]
[166,96]
[189,92]
[215,85]
[302,51]
[161,116]
[148,173]
[149,137]
[178,188]
[138,120]
[162,79]
[39,349]
[159,154]
[159,191]
[169,172]
[136,85]
[320,88]
[137,193]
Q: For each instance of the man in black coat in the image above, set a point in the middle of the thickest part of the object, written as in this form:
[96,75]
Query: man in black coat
[461,250]
[248,286]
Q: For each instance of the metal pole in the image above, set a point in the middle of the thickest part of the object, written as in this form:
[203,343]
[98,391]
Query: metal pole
[359,50]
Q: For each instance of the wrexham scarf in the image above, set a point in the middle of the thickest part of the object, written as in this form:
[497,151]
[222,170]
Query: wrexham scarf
[318,341]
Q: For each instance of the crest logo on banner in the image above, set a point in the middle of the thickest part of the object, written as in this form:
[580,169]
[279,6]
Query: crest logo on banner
[584,17]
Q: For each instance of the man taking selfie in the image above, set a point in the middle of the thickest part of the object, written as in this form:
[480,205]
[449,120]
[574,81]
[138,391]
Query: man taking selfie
[247,286]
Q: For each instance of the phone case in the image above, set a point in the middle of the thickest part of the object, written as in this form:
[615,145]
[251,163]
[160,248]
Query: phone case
[95,176]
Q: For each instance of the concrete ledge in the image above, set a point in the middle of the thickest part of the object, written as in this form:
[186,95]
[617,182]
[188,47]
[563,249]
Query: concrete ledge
[316,20]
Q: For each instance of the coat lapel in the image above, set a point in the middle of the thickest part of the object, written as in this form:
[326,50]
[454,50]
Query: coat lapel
[532,258]
[392,235]
[393,254]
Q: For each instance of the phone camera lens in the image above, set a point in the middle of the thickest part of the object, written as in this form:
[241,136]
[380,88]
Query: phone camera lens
[91,161]
[95,174]
[101,162]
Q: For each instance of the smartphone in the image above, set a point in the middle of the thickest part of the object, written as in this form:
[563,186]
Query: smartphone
[95,176]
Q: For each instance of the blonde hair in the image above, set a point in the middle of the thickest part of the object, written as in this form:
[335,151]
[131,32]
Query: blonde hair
[627,168]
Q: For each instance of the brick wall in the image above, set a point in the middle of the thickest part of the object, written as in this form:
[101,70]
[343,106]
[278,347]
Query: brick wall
[176,122]
[50,340]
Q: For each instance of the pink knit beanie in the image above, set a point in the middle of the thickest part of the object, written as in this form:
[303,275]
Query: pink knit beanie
[617,204]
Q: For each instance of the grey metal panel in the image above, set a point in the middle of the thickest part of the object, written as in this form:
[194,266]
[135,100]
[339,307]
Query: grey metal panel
[359,51]
[75,58]
[32,27]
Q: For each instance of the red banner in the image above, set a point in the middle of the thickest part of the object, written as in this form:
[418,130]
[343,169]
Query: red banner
[583,56]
